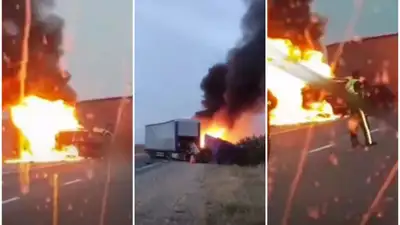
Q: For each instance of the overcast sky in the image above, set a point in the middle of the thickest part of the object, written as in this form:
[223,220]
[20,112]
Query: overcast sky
[376,18]
[98,45]
[178,40]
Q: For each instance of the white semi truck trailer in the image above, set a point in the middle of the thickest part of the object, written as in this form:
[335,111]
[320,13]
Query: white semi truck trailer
[172,139]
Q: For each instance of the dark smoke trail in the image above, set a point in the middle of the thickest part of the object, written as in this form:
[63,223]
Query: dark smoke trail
[239,84]
[44,76]
[214,86]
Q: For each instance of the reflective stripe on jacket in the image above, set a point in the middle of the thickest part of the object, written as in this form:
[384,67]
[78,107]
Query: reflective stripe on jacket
[350,86]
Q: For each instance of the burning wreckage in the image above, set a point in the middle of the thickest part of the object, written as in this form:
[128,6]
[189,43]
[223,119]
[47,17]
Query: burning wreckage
[36,93]
[184,139]
[50,131]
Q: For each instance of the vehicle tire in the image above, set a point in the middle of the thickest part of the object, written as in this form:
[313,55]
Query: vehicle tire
[151,155]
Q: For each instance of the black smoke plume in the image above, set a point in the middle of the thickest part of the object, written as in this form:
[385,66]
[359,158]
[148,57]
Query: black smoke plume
[44,76]
[239,84]
[214,86]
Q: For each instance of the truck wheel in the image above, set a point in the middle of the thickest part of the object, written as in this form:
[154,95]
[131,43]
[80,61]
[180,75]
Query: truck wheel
[151,155]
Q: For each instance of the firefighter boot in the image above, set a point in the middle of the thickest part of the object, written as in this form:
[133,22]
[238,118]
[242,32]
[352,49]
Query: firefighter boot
[371,144]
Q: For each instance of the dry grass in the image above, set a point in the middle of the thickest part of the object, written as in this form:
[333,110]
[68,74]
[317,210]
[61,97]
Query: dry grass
[235,195]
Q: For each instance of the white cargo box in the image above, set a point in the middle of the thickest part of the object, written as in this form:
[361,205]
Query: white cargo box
[164,136]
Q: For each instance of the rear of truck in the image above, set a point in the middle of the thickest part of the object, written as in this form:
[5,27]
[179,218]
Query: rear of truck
[172,139]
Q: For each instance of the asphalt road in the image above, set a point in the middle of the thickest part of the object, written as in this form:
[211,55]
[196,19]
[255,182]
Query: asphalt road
[141,160]
[336,184]
[143,163]
[89,192]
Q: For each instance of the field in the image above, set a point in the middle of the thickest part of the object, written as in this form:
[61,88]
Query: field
[235,195]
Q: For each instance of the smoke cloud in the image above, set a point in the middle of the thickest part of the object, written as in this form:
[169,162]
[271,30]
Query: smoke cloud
[213,86]
[44,76]
[238,84]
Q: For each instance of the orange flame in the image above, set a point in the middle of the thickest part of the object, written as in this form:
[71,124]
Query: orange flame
[39,121]
[287,88]
[213,131]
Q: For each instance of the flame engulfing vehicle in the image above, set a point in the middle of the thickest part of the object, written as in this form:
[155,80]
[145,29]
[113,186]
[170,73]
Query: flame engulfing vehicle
[89,143]
[38,122]
[189,140]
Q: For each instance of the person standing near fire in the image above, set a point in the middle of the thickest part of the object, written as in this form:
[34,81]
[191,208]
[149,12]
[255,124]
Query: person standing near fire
[356,87]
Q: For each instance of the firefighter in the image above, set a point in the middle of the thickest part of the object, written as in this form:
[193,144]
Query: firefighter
[356,87]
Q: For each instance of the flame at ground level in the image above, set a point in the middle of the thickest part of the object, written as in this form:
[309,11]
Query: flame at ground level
[288,89]
[213,131]
[39,121]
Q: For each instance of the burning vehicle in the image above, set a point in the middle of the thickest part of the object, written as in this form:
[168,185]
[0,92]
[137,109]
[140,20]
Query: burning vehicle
[35,87]
[38,122]
[50,131]
[185,140]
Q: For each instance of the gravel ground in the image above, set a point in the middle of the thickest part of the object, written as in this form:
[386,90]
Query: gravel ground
[185,194]
[170,194]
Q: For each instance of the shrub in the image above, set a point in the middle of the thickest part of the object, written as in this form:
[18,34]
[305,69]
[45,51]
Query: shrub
[255,149]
